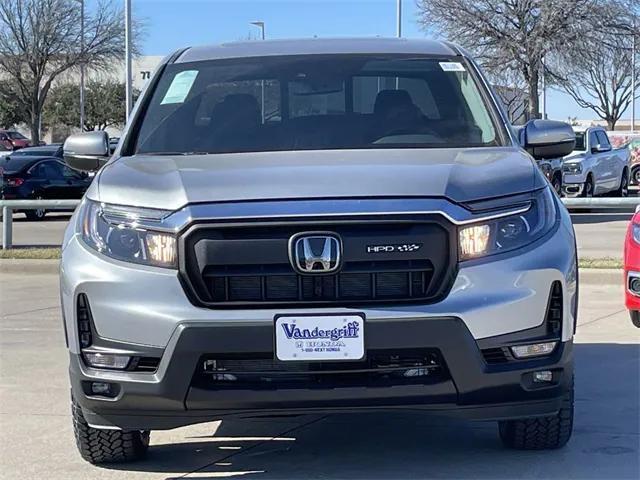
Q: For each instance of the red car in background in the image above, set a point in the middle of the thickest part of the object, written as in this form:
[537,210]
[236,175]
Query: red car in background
[632,269]
[13,140]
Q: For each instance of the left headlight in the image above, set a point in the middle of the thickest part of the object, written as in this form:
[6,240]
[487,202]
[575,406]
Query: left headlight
[509,233]
[635,230]
[116,232]
[572,168]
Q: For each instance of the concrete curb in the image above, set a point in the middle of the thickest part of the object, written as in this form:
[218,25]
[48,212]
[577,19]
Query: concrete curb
[29,266]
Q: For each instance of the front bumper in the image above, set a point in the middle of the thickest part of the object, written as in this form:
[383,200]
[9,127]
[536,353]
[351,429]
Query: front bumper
[493,302]
[469,386]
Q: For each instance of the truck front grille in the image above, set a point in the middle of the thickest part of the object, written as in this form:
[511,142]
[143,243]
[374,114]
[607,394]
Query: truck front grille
[363,281]
[249,265]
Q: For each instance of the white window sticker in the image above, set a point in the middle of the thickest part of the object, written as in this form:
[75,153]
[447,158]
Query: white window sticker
[180,87]
[452,67]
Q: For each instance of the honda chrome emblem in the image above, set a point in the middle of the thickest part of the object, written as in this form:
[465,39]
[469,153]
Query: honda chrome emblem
[315,252]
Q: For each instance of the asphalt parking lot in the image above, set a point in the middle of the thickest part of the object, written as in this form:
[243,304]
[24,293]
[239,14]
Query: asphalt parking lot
[36,440]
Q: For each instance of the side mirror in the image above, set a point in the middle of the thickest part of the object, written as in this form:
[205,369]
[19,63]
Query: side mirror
[599,148]
[86,151]
[548,139]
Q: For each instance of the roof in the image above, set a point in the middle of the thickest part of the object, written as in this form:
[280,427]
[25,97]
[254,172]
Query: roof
[40,149]
[18,164]
[580,128]
[316,46]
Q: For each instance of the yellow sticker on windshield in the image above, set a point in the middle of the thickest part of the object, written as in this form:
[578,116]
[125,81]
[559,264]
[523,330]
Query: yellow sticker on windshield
[180,87]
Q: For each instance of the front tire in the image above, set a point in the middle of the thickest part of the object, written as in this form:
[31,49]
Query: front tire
[37,214]
[587,191]
[623,190]
[635,317]
[556,183]
[107,446]
[541,433]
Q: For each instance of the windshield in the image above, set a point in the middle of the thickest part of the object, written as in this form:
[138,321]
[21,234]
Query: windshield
[315,102]
[16,136]
[580,144]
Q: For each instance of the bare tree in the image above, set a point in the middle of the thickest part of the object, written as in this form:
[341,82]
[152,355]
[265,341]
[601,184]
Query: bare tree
[597,72]
[40,39]
[512,90]
[515,34]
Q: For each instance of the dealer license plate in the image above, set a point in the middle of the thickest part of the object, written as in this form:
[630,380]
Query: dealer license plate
[321,337]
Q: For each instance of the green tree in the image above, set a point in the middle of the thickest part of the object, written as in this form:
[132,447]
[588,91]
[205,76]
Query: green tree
[104,105]
[11,111]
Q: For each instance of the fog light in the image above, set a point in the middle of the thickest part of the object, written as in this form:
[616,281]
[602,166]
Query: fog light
[634,285]
[107,360]
[223,377]
[543,376]
[533,350]
[416,372]
[101,388]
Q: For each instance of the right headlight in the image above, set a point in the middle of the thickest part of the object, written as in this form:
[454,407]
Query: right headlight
[116,232]
[509,233]
[572,168]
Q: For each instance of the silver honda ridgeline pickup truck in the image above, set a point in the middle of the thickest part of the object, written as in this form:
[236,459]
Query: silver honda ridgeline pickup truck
[318,225]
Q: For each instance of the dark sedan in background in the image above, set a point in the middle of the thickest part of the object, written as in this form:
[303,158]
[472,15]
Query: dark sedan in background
[27,176]
[51,150]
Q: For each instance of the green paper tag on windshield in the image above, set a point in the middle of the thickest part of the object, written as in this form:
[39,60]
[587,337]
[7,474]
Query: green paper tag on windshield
[180,87]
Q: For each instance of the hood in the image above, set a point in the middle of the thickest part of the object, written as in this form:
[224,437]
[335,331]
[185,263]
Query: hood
[575,156]
[461,175]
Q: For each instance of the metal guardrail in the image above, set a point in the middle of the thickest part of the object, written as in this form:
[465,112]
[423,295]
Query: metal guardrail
[607,203]
[9,206]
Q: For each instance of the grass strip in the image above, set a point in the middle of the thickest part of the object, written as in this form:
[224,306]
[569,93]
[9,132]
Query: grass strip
[32,253]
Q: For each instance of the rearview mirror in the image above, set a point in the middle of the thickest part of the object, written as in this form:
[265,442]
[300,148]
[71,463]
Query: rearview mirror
[548,139]
[88,151]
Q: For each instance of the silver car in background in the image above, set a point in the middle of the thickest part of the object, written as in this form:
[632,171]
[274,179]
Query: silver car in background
[318,225]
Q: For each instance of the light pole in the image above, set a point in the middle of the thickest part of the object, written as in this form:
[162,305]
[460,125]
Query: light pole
[260,24]
[398,30]
[127,54]
[544,91]
[82,65]
[633,78]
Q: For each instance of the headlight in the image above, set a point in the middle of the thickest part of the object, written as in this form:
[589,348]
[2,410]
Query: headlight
[509,233]
[115,232]
[635,230]
[572,168]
